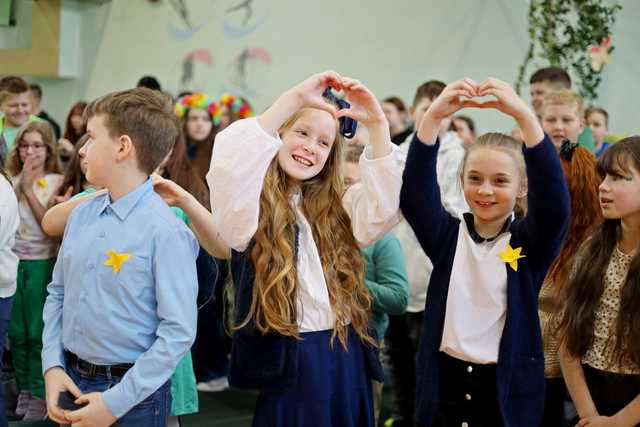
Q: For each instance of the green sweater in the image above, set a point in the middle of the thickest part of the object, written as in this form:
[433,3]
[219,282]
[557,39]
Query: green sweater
[386,279]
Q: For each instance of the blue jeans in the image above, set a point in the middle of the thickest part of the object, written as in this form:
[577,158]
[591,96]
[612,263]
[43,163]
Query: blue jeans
[151,412]
[5,316]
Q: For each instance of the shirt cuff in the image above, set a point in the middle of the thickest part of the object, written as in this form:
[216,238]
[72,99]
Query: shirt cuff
[395,156]
[117,401]
[51,360]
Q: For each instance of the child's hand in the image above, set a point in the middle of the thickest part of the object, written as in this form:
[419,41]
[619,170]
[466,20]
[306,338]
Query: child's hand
[309,92]
[28,175]
[61,199]
[171,193]
[507,100]
[57,381]
[364,105]
[449,102]
[95,414]
[599,421]
[65,146]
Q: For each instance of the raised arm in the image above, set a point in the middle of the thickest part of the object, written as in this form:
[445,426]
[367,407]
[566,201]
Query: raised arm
[420,198]
[548,197]
[374,203]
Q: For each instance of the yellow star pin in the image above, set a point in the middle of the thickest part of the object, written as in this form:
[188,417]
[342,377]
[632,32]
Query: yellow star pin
[115,260]
[511,256]
[42,183]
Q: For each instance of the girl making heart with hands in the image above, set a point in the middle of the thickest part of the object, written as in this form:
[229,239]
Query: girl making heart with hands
[302,308]
[480,358]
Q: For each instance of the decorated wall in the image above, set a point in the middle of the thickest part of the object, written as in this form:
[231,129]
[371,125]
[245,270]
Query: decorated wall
[258,48]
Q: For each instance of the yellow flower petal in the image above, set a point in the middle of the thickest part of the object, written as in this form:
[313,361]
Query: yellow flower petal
[115,260]
[511,256]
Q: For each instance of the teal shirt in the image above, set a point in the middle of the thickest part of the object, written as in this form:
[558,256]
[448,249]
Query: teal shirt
[586,140]
[386,279]
[9,134]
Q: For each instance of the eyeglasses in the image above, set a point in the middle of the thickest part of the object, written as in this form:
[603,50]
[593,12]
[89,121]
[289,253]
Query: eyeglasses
[25,147]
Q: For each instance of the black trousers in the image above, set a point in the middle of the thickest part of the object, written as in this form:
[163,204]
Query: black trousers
[402,340]
[467,394]
[611,392]
[555,393]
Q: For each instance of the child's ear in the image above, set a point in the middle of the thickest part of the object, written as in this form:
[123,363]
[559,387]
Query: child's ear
[523,190]
[125,147]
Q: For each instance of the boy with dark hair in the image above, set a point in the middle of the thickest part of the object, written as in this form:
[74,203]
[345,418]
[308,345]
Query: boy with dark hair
[121,310]
[15,107]
[544,81]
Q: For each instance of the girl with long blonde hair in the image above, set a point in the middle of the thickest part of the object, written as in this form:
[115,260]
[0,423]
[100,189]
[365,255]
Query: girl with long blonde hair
[302,307]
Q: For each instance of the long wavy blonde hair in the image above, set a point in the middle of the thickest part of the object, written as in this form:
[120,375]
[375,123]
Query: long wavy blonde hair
[273,306]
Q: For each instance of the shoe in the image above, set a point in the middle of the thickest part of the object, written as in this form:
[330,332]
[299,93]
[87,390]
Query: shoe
[218,384]
[37,410]
[23,403]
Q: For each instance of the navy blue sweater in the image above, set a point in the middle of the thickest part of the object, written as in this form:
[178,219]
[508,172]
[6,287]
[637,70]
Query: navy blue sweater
[520,368]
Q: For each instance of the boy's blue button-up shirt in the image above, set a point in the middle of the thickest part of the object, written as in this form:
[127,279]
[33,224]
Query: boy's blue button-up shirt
[124,291]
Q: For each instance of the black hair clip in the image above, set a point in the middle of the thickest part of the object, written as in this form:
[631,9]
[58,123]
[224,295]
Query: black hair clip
[567,148]
[348,126]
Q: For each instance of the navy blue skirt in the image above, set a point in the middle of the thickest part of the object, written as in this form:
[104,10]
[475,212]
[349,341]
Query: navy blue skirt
[333,388]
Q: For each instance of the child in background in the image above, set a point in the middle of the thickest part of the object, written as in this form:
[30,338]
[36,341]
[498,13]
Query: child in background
[75,127]
[480,360]
[9,221]
[15,106]
[579,168]
[33,164]
[548,80]
[398,117]
[465,128]
[561,115]
[385,273]
[599,329]
[302,307]
[135,298]
[597,119]
[75,180]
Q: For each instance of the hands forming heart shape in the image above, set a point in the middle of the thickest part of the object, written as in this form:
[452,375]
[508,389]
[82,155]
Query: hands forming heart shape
[465,93]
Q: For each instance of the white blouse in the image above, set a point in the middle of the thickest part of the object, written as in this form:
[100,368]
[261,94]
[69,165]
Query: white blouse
[9,222]
[241,156]
[477,299]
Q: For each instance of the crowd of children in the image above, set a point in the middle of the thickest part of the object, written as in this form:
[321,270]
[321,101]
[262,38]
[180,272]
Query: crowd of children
[318,252]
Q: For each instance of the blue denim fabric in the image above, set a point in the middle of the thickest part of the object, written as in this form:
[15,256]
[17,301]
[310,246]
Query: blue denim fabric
[151,412]
[5,315]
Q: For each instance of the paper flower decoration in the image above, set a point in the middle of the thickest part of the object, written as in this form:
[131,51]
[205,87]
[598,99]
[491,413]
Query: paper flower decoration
[600,54]
[511,256]
[115,260]
[42,183]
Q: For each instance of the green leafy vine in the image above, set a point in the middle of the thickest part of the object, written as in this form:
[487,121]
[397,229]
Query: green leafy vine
[561,32]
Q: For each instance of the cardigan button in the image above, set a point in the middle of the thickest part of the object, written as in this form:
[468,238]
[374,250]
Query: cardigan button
[467,396]
[469,368]
[464,425]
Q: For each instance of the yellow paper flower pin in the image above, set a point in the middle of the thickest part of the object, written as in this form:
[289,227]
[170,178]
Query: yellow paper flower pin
[115,260]
[511,256]
[42,183]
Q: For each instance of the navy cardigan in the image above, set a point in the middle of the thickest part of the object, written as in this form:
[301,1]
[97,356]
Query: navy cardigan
[268,362]
[520,367]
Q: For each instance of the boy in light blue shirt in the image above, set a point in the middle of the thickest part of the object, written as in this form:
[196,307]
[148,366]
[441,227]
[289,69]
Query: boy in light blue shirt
[121,310]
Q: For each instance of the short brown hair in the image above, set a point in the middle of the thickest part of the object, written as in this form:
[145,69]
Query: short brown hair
[397,102]
[430,90]
[593,109]
[555,76]
[14,164]
[12,85]
[146,116]
[563,97]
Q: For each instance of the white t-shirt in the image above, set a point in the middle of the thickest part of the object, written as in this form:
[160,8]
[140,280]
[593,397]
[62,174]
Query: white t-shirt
[9,221]
[31,242]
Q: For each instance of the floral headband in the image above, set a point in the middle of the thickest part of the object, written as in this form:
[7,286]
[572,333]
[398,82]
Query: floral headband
[235,105]
[195,100]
